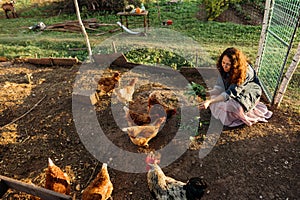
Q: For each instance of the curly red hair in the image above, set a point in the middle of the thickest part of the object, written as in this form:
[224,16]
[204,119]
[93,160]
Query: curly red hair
[239,66]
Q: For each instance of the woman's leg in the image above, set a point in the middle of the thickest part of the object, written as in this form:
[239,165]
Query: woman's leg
[228,112]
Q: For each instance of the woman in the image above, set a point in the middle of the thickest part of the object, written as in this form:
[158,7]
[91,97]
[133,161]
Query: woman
[235,97]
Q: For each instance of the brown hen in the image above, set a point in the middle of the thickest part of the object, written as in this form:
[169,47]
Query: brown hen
[124,94]
[100,188]
[141,117]
[166,99]
[107,84]
[130,121]
[141,135]
[56,179]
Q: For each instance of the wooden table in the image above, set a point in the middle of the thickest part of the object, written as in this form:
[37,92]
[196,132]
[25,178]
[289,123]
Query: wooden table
[143,14]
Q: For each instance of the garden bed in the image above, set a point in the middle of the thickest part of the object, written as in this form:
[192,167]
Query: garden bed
[257,162]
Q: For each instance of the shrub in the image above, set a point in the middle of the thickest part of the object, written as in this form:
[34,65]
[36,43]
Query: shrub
[216,7]
[109,5]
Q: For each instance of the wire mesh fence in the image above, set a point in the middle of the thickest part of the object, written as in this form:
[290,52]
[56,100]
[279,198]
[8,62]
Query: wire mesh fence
[282,26]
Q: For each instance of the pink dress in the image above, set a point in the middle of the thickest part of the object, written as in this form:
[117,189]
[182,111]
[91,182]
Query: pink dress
[232,114]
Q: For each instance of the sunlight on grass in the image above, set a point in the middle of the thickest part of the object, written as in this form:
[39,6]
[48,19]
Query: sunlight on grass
[16,40]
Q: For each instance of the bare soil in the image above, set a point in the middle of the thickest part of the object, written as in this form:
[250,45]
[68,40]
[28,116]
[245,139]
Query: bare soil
[257,162]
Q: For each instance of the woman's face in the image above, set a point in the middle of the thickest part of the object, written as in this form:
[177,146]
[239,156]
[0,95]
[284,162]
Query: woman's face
[226,64]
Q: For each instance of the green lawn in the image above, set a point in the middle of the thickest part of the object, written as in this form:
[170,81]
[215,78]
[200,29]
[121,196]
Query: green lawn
[16,40]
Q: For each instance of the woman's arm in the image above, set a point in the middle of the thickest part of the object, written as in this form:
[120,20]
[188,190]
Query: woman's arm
[205,104]
[213,92]
[217,89]
[217,94]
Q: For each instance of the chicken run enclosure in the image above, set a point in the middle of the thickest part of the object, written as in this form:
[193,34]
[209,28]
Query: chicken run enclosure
[59,112]
[280,25]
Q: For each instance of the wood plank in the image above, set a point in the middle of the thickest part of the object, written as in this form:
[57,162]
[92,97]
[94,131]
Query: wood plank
[94,98]
[65,61]
[3,59]
[3,188]
[52,61]
[34,190]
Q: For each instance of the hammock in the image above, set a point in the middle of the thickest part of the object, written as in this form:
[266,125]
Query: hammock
[128,30]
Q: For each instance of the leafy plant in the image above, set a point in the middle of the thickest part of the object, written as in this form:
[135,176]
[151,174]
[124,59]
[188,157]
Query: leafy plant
[157,56]
[190,127]
[195,89]
[216,7]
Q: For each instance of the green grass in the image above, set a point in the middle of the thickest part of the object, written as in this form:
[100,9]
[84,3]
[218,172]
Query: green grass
[213,36]
[16,40]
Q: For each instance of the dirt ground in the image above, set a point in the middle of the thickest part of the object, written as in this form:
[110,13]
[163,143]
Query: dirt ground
[257,162]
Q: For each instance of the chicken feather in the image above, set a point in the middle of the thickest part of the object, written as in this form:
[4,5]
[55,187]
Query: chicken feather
[130,121]
[163,187]
[108,84]
[155,112]
[100,188]
[141,135]
[125,94]
[56,179]
[166,99]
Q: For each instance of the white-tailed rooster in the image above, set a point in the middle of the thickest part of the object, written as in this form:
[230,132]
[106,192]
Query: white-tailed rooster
[163,187]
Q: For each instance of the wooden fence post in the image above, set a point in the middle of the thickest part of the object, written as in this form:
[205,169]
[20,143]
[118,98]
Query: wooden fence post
[83,31]
[263,34]
[287,77]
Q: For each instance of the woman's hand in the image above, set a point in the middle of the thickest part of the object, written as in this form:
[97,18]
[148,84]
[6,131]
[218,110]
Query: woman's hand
[204,104]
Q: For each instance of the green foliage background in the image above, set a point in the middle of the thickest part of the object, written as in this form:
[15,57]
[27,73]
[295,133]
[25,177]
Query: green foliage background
[216,7]
[16,40]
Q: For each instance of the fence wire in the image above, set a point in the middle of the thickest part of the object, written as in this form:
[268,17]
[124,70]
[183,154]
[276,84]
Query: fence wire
[283,23]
